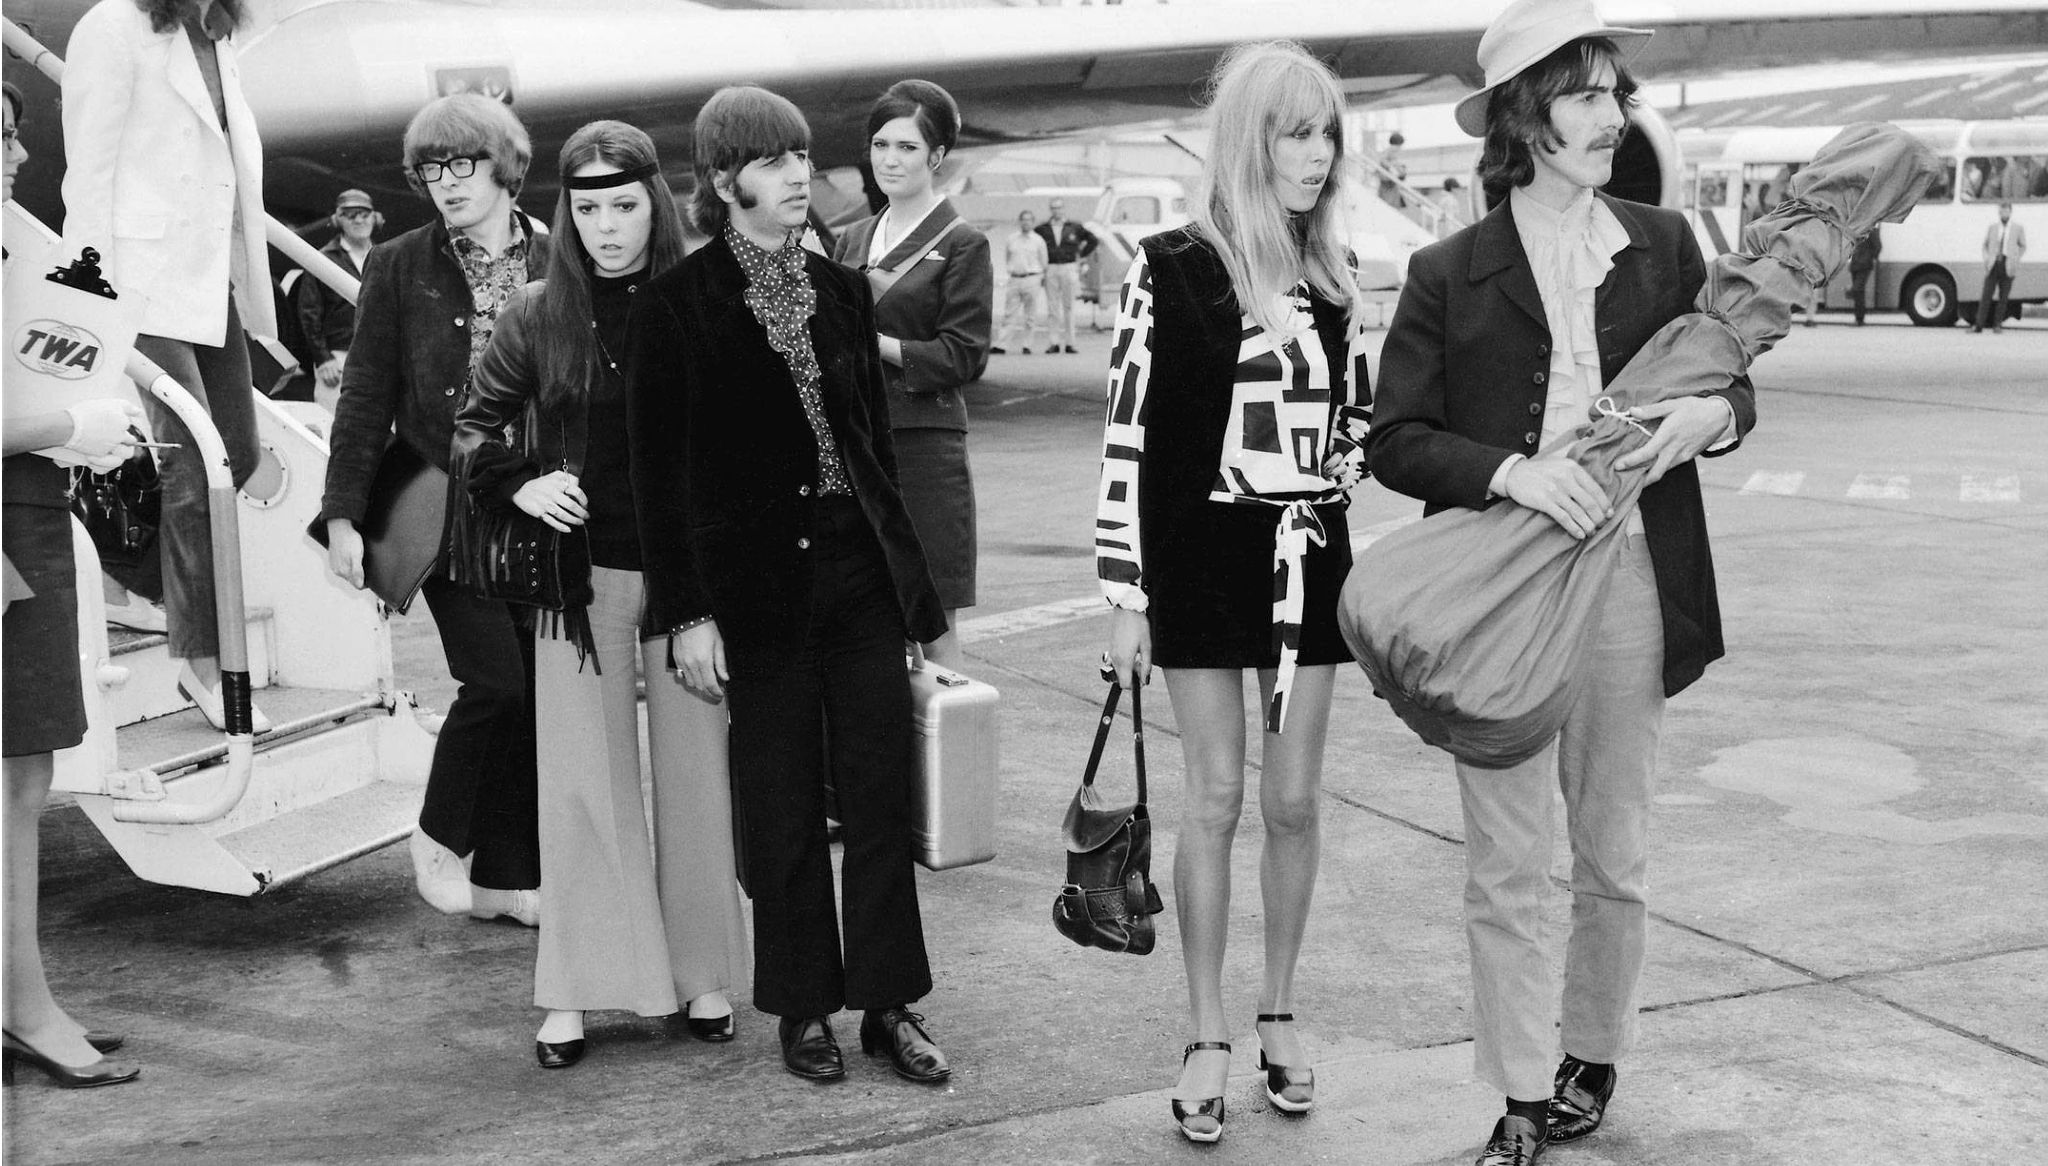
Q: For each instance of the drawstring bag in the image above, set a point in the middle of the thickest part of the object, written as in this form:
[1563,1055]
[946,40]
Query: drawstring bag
[1109,900]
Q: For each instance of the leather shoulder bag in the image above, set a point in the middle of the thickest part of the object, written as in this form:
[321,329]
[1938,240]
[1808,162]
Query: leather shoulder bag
[1109,900]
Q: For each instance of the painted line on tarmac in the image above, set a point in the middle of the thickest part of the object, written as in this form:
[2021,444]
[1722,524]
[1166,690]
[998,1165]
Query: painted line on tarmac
[1783,485]
[1990,488]
[1893,487]
[1045,615]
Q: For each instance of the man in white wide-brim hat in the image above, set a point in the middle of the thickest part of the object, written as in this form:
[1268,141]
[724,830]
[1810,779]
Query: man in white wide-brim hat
[1506,334]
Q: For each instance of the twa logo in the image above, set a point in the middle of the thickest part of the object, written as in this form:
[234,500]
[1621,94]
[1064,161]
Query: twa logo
[57,349]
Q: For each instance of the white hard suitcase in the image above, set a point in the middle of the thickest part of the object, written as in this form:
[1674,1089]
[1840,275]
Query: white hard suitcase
[953,794]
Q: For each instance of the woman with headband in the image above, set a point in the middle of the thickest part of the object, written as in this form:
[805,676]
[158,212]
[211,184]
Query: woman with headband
[625,925]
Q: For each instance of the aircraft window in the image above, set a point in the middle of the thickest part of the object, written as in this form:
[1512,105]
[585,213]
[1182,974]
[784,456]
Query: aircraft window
[2014,178]
[1137,209]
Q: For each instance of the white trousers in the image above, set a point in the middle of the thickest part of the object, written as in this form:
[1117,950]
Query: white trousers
[1604,762]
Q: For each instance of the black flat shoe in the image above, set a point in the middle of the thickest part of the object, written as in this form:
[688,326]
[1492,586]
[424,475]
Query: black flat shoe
[809,1049]
[1291,1089]
[1516,1141]
[1576,1110]
[712,1029]
[900,1033]
[559,1056]
[106,1042]
[100,1072]
[1209,1108]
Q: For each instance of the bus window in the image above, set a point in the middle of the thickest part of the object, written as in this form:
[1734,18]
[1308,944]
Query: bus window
[2013,178]
[1943,188]
[1713,189]
[1142,209]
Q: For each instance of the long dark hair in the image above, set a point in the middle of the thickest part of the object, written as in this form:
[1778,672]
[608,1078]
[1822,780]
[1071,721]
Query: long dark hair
[569,358]
[165,15]
[1518,113]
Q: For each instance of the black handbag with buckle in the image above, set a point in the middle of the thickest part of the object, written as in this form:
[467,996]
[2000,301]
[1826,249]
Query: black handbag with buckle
[1109,900]
[120,510]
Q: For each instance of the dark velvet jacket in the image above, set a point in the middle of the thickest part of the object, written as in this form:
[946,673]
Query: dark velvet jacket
[941,309]
[409,362]
[1461,387]
[725,466]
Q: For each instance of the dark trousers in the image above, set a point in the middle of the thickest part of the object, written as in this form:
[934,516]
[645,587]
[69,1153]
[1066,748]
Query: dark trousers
[848,687]
[1859,289]
[218,378]
[481,797]
[1998,285]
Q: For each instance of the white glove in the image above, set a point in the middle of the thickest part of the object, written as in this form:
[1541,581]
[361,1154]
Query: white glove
[103,434]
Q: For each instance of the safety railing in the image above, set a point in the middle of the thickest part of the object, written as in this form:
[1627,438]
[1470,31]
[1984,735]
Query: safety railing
[141,792]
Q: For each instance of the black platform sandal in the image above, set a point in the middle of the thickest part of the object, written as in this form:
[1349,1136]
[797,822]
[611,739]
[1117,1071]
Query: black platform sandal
[1290,1089]
[1210,1108]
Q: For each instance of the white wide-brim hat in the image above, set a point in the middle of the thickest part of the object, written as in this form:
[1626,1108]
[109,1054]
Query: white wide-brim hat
[1526,32]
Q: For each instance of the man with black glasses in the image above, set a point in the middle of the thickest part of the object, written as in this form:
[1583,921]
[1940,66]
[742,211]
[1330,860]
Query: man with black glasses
[429,300]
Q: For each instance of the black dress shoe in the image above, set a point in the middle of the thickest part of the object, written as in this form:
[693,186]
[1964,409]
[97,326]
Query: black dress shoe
[900,1033]
[106,1042]
[809,1049]
[1575,1109]
[1516,1141]
[559,1056]
[100,1072]
[715,1029]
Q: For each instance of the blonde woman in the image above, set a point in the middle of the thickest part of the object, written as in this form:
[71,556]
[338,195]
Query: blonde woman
[1220,530]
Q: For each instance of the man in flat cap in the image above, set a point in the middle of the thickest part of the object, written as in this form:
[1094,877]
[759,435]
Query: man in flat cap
[1505,335]
[327,320]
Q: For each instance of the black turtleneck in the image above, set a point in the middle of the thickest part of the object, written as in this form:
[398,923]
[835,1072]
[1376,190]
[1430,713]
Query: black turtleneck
[606,482]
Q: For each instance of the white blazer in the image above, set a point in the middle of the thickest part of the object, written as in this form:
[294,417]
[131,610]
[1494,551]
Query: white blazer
[174,206]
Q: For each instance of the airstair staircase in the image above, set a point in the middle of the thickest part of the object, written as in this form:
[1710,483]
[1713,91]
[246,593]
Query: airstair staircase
[341,771]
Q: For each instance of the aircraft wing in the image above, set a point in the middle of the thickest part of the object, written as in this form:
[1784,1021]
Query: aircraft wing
[334,81]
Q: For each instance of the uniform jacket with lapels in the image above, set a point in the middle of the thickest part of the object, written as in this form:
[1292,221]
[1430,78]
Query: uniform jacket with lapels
[1462,386]
[935,292]
[725,467]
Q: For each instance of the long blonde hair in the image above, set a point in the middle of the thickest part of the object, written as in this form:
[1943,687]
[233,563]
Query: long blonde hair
[1257,91]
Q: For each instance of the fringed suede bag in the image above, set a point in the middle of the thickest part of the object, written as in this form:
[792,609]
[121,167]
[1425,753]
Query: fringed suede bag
[507,554]
[1109,900]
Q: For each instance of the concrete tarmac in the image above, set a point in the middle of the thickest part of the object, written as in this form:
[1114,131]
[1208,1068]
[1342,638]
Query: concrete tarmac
[1848,960]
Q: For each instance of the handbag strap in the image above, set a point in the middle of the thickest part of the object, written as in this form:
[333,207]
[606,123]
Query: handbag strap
[1102,737]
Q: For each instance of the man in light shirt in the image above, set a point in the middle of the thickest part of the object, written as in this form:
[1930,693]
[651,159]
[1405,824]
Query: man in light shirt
[1024,258]
[2004,245]
[1506,333]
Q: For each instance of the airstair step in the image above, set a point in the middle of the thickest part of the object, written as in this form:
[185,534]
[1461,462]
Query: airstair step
[122,641]
[289,847]
[187,738]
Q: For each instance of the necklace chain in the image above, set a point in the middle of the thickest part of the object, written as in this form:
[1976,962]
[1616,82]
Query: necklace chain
[596,334]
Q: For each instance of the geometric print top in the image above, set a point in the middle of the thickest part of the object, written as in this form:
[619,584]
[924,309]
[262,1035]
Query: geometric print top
[1280,449]
[780,293]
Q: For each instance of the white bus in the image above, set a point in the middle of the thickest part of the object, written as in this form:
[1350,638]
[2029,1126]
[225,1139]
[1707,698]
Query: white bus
[1932,267]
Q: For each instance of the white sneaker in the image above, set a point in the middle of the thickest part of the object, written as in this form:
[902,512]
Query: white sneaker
[137,615]
[439,875]
[210,704]
[518,906]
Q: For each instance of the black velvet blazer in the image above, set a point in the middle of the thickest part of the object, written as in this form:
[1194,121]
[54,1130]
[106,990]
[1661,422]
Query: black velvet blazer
[1461,387]
[725,466]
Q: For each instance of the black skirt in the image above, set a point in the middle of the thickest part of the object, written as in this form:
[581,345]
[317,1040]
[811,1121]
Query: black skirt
[1209,567]
[938,490]
[43,706]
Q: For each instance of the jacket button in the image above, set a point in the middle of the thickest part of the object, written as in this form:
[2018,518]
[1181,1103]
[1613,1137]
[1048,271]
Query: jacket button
[1535,407]
[459,321]
[1539,378]
[1543,350]
[447,392]
[1528,439]
[803,544]
[804,491]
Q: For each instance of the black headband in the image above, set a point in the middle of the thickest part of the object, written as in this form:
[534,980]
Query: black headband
[607,181]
